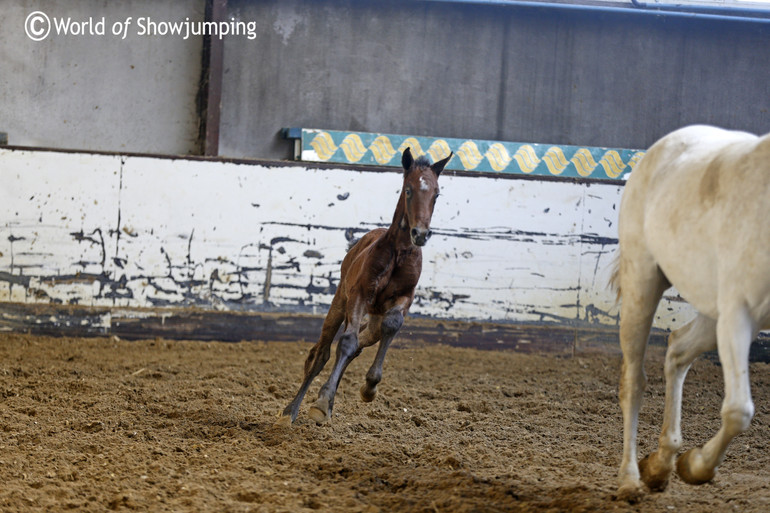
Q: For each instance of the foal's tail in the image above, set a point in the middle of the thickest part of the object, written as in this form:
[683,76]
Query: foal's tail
[614,282]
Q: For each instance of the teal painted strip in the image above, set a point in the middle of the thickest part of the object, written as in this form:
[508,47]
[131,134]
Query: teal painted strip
[366,148]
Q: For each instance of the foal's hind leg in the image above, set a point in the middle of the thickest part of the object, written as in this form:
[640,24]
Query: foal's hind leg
[391,323]
[735,331]
[684,345]
[642,285]
[316,358]
[347,349]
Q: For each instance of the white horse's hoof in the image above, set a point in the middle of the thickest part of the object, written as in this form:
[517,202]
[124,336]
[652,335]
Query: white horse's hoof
[630,492]
[691,469]
[654,474]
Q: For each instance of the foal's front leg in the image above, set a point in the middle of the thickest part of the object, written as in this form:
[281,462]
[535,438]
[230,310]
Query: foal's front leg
[316,358]
[389,326]
[347,349]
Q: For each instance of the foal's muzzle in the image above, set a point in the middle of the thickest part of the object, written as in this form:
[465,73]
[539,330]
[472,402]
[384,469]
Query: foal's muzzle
[420,236]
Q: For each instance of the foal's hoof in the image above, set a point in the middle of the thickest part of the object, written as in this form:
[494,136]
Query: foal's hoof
[368,394]
[319,412]
[691,469]
[654,475]
[284,421]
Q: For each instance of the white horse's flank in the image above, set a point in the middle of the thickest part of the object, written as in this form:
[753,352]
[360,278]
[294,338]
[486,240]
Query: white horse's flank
[694,214]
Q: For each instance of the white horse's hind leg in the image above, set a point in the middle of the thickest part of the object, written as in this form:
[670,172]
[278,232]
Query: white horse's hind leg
[735,331]
[641,289]
[684,345]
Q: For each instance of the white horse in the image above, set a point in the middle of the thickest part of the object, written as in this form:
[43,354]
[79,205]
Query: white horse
[694,214]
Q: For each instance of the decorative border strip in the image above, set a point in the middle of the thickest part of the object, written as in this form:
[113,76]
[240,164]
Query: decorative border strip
[472,155]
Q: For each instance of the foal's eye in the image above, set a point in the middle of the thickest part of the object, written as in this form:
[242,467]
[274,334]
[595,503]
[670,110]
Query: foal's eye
[408,192]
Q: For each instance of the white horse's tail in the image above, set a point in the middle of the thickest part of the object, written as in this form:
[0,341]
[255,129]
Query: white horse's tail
[614,283]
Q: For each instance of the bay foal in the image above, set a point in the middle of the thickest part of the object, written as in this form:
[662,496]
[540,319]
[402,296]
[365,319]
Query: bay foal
[693,215]
[378,278]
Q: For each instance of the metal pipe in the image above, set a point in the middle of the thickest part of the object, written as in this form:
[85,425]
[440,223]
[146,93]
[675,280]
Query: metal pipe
[616,10]
[700,8]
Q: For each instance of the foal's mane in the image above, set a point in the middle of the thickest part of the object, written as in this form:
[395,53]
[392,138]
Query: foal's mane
[422,161]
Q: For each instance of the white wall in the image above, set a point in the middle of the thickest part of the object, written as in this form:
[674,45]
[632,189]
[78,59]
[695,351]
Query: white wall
[128,231]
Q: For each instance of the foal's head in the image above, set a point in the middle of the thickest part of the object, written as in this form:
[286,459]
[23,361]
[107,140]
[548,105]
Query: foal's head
[420,193]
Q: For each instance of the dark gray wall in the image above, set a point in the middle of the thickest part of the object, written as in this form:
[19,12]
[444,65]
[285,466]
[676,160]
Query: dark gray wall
[394,66]
[100,92]
[489,72]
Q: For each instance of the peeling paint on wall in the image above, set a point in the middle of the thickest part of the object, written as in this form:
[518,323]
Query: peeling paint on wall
[143,232]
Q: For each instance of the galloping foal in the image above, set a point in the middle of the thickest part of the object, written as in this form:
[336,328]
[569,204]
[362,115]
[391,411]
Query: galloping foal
[694,215]
[378,278]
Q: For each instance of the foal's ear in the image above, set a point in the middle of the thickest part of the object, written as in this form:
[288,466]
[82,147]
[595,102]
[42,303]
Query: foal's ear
[406,159]
[438,167]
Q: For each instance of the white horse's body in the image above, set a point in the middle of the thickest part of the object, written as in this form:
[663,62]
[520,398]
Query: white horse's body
[695,214]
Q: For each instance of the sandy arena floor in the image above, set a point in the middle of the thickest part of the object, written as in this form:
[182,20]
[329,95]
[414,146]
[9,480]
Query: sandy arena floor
[100,424]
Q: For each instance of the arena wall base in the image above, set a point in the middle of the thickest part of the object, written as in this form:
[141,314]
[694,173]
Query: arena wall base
[187,324]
